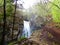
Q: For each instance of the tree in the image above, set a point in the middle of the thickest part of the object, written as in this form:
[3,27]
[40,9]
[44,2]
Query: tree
[14,18]
[56,10]
[40,11]
[6,11]
[4,25]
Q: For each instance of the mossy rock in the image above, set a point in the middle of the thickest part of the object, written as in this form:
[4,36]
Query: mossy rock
[21,39]
[12,43]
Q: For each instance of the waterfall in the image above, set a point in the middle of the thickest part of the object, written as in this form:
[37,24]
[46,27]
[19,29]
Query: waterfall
[26,29]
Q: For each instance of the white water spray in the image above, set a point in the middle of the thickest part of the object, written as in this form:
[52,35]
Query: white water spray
[26,29]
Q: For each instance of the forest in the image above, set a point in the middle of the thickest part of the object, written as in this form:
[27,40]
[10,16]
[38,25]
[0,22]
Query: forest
[29,22]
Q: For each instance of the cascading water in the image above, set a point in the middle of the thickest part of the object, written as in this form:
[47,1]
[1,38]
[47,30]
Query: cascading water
[26,29]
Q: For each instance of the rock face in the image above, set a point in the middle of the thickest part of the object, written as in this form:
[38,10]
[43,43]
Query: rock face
[28,42]
[54,29]
[43,37]
[39,37]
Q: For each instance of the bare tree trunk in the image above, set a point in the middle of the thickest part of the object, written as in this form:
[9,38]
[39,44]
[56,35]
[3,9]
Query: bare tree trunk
[4,25]
[14,19]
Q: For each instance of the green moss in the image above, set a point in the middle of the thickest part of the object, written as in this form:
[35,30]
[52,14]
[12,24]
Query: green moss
[22,38]
[12,43]
[16,42]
